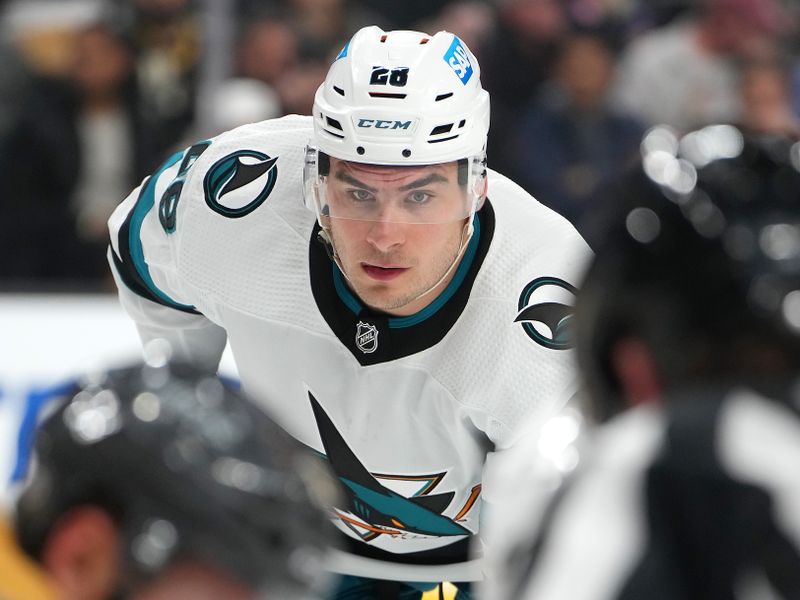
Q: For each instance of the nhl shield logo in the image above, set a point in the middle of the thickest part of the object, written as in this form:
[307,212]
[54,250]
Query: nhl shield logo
[366,337]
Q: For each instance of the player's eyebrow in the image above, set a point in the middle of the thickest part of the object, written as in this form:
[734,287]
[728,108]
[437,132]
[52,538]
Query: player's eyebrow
[423,181]
[347,178]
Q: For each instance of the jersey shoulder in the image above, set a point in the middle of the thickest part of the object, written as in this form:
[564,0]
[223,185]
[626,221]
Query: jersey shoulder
[516,323]
[530,242]
[211,206]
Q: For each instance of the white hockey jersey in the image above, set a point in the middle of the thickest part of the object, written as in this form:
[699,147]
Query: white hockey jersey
[409,411]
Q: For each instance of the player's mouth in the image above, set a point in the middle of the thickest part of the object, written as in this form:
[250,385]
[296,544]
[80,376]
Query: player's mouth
[382,272]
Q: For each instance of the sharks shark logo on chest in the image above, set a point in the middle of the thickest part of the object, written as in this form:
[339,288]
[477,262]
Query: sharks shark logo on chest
[372,505]
[239,183]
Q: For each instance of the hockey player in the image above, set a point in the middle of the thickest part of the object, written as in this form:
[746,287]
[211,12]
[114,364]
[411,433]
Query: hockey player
[397,307]
[688,328]
[160,483]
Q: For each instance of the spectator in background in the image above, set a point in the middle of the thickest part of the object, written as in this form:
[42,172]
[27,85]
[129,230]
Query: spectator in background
[291,46]
[78,141]
[323,26]
[517,59]
[767,101]
[269,52]
[685,74]
[166,35]
[404,15]
[15,82]
[570,142]
[105,120]
[471,20]
[298,85]
[266,49]
[235,102]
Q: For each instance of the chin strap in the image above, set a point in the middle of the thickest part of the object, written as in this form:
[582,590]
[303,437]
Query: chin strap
[324,237]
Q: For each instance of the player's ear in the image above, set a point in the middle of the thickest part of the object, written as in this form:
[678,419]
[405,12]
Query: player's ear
[81,554]
[482,189]
[484,192]
[636,370]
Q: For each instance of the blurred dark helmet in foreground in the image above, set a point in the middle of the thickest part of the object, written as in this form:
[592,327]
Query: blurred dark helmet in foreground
[189,469]
[697,256]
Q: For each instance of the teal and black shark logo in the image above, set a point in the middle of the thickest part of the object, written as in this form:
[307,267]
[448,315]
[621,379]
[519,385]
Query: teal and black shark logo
[545,311]
[372,508]
[240,182]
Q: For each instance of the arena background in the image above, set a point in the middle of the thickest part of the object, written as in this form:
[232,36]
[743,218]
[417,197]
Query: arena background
[94,94]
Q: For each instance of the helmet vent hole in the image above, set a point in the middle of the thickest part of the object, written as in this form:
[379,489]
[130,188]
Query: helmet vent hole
[383,39]
[338,90]
[334,123]
[462,123]
[440,129]
[447,139]
[424,40]
[386,95]
[360,150]
[406,153]
[441,97]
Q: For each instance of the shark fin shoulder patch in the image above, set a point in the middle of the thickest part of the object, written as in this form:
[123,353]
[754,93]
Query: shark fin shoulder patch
[240,182]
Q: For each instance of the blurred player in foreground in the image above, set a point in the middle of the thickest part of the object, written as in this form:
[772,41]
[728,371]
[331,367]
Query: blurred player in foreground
[688,329]
[161,483]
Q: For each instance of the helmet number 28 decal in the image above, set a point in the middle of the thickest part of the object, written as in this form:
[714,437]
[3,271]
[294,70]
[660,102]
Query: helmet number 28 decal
[397,77]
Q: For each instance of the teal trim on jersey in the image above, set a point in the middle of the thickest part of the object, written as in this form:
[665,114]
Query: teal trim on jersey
[350,300]
[345,295]
[143,206]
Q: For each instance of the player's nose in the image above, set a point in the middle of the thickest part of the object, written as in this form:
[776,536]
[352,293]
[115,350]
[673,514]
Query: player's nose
[385,234]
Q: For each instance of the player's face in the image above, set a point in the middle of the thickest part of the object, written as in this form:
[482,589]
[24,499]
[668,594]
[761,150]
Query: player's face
[409,234]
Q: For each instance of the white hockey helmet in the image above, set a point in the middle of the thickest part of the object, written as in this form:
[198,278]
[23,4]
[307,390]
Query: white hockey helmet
[400,98]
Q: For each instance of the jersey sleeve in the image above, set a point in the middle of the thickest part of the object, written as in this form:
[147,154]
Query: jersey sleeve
[143,256]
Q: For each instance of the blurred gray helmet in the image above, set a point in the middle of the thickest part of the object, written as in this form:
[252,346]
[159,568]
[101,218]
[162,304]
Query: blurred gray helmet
[189,468]
[698,255]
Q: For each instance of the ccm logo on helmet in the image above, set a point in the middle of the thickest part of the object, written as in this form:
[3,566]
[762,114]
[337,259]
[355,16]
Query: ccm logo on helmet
[383,124]
[456,57]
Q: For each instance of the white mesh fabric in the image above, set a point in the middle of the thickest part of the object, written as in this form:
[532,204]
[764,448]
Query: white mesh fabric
[237,263]
[515,377]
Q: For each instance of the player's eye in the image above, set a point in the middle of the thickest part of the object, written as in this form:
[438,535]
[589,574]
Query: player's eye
[419,197]
[360,195]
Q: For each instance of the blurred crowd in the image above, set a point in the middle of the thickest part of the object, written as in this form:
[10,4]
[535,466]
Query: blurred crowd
[94,94]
